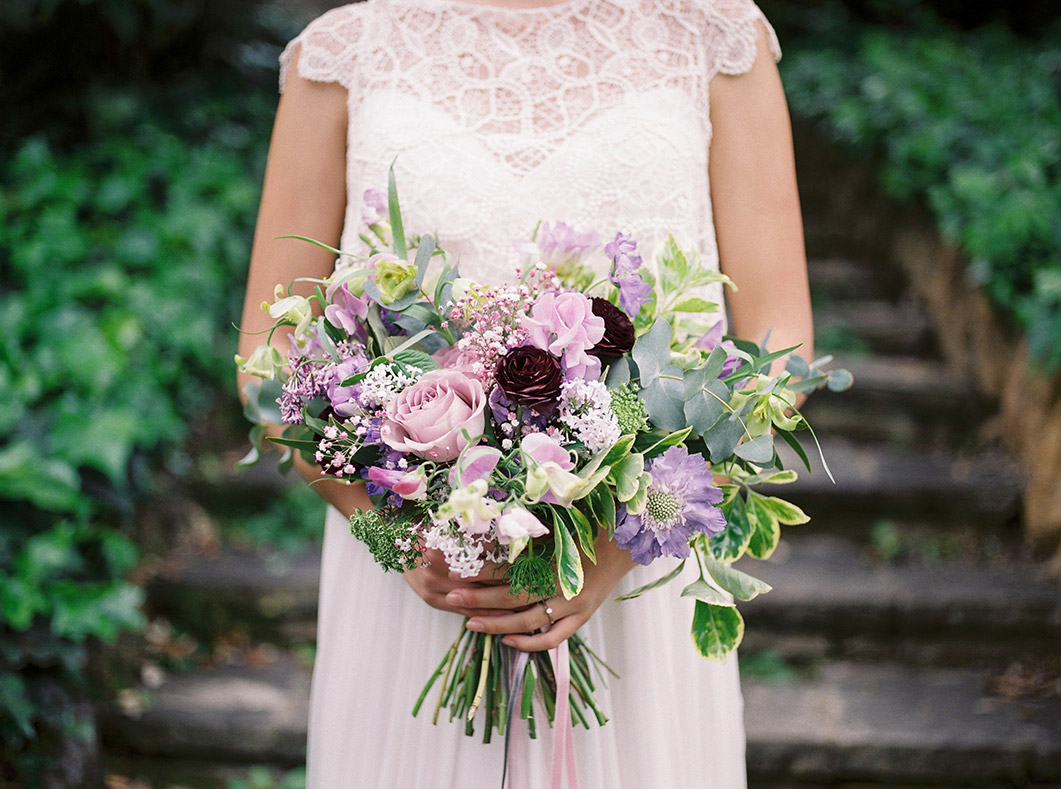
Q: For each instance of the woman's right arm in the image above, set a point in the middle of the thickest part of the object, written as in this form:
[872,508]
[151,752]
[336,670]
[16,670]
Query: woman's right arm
[305,194]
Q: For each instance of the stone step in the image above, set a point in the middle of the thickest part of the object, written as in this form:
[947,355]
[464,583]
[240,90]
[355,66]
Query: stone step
[892,724]
[230,714]
[830,599]
[847,279]
[269,598]
[845,721]
[923,486]
[899,400]
[878,326]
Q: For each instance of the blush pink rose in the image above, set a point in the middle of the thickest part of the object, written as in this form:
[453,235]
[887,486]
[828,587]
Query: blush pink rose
[436,417]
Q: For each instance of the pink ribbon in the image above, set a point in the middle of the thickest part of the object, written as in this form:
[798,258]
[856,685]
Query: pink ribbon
[563,733]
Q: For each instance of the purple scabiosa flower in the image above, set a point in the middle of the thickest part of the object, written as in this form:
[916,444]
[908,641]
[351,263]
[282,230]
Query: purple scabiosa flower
[633,290]
[712,339]
[682,501]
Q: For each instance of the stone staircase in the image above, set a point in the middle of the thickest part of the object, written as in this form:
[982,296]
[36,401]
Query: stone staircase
[909,641]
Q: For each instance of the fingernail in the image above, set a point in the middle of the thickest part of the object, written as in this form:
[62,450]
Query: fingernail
[475,624]
[454,598]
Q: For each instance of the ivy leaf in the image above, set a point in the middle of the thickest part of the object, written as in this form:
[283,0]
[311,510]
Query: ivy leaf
[731,543]
[701,590]
[785,512]
[717,630]
[766,530]
[739,584]
[568,561]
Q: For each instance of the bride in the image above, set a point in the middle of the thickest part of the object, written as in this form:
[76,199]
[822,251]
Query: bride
[644,116]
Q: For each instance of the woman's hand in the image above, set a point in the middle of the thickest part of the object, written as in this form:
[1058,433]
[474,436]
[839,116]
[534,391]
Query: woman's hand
[515,616]
[434,582]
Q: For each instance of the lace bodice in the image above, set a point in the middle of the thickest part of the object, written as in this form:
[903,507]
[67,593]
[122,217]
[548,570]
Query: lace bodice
[594,112]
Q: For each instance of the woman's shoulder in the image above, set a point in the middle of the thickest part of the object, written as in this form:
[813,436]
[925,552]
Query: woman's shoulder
[728,30]
[327,48]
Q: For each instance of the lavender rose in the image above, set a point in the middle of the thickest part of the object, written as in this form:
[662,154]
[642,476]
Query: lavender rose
[618,330]
[530,377]
[436,417]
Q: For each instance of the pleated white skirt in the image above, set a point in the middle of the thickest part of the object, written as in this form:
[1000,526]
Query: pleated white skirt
[676,719]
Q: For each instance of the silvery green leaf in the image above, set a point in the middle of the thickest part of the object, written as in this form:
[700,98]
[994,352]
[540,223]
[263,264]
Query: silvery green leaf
[840,380]
[423,257]
[652,351]
[722,438]
[663,399]
[618,373]
[705,399]
[759,450]
[797,366]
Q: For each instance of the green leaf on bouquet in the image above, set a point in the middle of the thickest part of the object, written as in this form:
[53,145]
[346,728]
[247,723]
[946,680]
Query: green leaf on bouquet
[602,507]
[840,380]
[656,442]
[701,590]
[423,257]
[585,531]
[785,512]
[395,211]
[618,373]
[261,405]
[705,398]
[797,366]
[741,585]
[666,579]
[619,450]
[723,436]
[695,304]
[401,303]
[568,561]
[663,399]
[626,476]
[418,359]
[651,351]
[766,529]
[731,543]
[672,265]
[717,630]
[793,442]
[773,477]
[759,450]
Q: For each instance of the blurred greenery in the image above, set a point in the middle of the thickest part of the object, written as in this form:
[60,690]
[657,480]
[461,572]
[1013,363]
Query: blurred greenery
[125,226]
[966,122]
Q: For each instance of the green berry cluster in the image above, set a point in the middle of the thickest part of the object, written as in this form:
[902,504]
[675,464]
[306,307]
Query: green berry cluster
[629,410]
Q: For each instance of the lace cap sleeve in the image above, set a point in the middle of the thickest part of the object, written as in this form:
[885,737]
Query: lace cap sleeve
[326,49]
[734,33]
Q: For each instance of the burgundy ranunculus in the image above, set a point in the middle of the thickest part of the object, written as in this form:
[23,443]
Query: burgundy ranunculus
[530,377]
[618,330]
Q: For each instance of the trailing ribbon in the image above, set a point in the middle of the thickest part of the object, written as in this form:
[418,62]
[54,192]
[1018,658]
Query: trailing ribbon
[563,733]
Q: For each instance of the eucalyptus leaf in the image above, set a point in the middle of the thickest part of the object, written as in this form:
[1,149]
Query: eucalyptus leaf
[759,450]
[722,438]
[618,373]
[797,366]
[651,351]
[705,399]
[840,380]
[663,399]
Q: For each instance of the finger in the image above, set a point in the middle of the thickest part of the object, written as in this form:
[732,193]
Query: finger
[540,642]
[532,618]
[489,597]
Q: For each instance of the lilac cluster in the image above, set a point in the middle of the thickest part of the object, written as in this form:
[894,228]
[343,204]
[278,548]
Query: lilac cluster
[633,290]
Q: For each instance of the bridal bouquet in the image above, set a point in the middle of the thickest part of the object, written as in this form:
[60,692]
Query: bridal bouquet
[514,424]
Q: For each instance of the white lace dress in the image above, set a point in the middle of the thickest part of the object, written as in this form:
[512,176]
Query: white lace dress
[594,112]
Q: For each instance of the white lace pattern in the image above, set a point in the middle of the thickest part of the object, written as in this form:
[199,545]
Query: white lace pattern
[594,112]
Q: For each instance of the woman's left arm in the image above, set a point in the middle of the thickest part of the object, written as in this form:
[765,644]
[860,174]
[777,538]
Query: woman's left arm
[756,207]
[760,237]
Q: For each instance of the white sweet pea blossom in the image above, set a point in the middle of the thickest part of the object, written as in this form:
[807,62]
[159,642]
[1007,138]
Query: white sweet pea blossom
[295,309]
[515,527]
[264,362]
[470,508]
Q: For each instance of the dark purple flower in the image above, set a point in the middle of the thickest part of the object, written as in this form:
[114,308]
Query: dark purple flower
[530,376]
[682,501]
[633,290]
[618,330]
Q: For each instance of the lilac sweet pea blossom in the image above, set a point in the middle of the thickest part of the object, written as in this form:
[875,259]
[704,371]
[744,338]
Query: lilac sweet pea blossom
[346,311]
[561,245]
[564,325]
[633,290]
[374,209]
[474,464]
[712,339]
[344,399]
[682,500]
[409,485]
